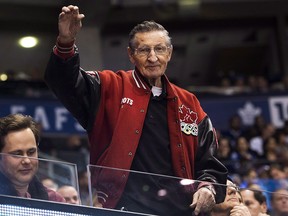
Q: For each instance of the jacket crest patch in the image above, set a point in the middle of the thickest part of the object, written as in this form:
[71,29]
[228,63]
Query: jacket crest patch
[188,119]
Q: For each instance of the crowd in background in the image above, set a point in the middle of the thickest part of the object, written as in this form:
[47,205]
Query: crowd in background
[256,156]
[229,84]
[256,151]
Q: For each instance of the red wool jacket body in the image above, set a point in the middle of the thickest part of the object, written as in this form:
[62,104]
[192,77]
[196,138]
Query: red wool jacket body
[112,107]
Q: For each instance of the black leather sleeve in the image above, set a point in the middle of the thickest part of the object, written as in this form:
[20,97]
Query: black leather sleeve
[207,167]
[77,90]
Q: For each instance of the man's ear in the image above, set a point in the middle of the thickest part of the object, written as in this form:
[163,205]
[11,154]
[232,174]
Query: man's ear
[130,54]
[264,207]
[170,52]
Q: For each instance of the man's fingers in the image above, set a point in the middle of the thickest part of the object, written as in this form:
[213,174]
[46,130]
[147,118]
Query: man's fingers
[66,9]
[70,9]
[76,10]
[61,15]
[203,201]
[195,204]
[71,12]
[81,16]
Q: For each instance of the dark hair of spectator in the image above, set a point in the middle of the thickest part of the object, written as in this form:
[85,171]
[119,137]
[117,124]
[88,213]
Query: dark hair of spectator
[16,122]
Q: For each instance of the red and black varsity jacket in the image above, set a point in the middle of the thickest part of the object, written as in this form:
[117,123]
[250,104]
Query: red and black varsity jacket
[112,107]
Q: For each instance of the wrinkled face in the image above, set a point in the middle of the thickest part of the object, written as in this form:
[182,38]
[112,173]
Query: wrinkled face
[232,198]
[19,161]
[153,64]
[280,201]
[253,205]
[70,194]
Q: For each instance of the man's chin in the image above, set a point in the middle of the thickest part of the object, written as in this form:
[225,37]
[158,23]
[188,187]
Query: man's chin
[25,180]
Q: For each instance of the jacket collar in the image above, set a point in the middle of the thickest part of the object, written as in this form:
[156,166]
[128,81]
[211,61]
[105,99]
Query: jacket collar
[142,83]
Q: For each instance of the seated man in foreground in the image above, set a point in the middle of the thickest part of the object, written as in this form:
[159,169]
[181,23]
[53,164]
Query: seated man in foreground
[19,138]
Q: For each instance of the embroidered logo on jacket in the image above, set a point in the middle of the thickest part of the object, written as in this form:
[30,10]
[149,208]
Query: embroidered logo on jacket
[128,101]
[188,120]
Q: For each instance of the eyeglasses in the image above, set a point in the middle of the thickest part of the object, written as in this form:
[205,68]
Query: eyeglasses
[158,50]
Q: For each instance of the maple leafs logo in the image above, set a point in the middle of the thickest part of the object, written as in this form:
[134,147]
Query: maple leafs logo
[249,112]
[187,115]
[188,120]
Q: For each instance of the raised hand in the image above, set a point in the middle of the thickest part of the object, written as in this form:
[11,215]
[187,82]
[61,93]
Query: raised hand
[69,23]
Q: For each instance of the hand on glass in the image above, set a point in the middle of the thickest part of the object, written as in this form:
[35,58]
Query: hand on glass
[203,200]
[69,23]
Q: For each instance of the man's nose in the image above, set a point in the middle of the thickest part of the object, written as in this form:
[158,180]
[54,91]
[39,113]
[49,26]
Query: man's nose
[231,190]
[26,159]
[152,56]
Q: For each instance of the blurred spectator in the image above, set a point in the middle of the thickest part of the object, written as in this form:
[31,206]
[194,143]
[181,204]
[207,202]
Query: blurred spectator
[258,84]
[256,178]
[282,85]
[236,178]
[276,172]
[233,203]
[284,132]
[74,149]
[242,156]
[240,84]
[262,84]
[224,150]
[249,178]
[252,83]
[70,194]
[285,169]
[263,171]
[257,127]
[254,186]
[257,143]
[235,129]
[282,141]
[255,201]
[279,202]
[225,82]
[278,176]
[271,151]
[285,128]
